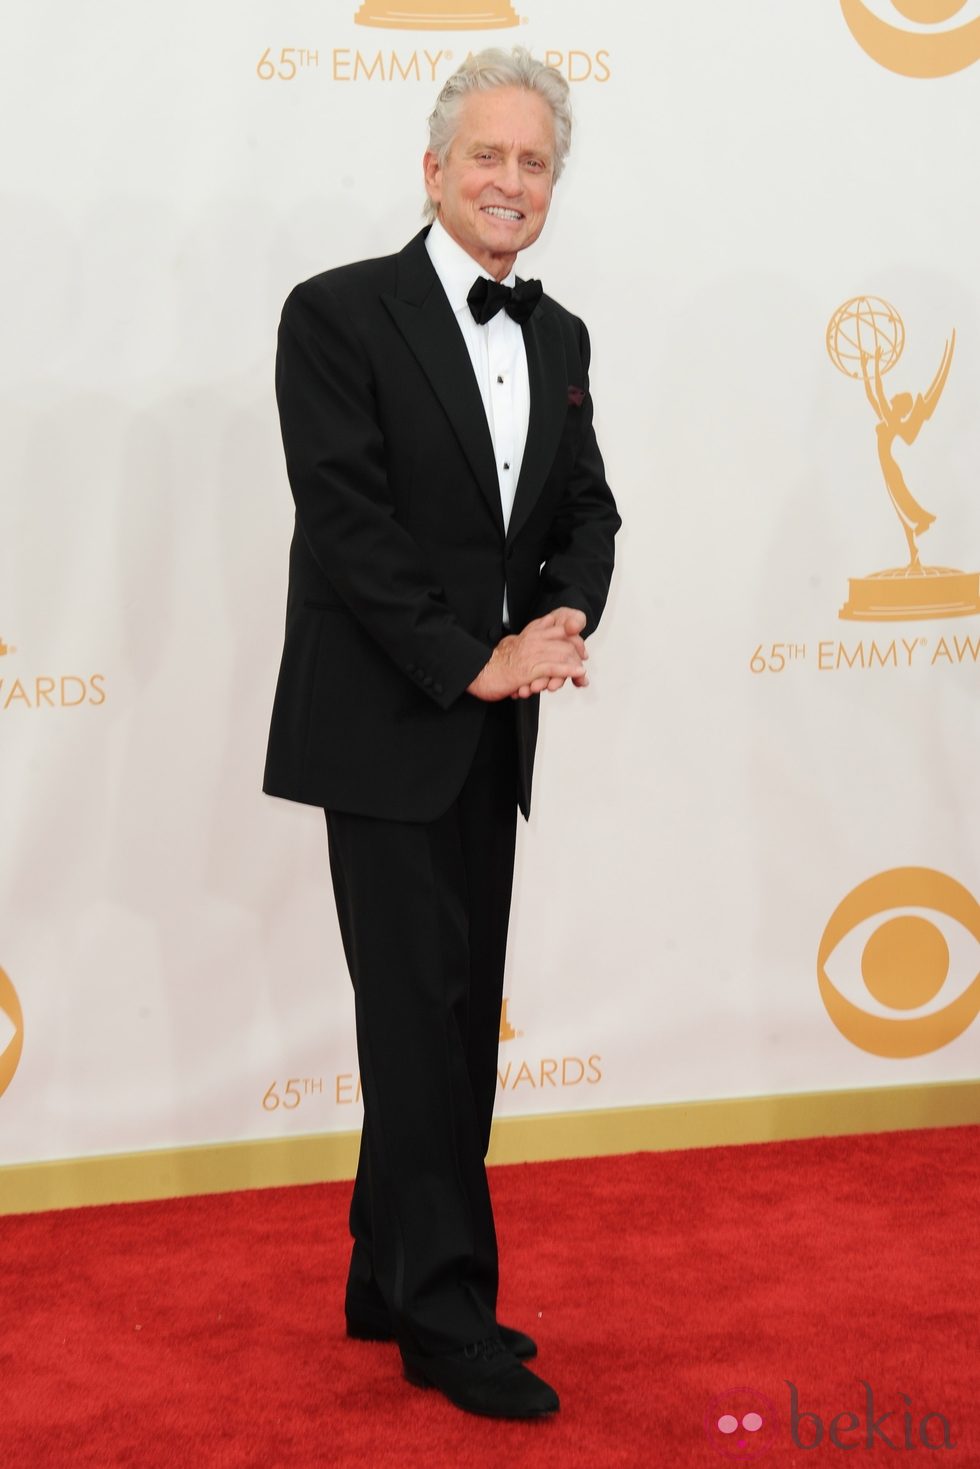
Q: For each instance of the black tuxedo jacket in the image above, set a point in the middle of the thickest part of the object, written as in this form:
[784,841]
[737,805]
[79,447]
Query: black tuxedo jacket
[399,556]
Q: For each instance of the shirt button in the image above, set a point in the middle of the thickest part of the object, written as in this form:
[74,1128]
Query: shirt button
[506,466]
[499,379]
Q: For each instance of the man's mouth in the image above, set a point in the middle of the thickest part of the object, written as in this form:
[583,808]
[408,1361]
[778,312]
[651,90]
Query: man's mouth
[498,212]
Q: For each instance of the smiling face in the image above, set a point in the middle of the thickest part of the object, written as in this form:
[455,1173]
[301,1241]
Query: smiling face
[494,189]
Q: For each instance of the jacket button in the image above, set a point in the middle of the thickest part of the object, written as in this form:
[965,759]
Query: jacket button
[409,667]
[427,681]
[437,688]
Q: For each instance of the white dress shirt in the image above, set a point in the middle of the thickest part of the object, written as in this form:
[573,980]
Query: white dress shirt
[499,363]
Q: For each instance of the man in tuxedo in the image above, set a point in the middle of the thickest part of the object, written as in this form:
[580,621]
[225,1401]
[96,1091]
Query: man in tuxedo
[453,549]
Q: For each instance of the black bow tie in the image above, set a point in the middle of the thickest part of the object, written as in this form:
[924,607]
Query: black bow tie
[486,297]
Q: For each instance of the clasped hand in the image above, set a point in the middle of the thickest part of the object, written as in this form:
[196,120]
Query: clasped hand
[548,652]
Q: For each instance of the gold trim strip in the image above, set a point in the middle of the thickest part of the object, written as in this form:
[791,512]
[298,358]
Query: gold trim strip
[327,1157]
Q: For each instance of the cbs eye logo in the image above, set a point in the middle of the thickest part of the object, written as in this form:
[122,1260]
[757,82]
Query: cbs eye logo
[11,1032]
[909,931]
[929,49]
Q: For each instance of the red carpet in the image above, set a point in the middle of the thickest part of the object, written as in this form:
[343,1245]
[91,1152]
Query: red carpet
[210,1332]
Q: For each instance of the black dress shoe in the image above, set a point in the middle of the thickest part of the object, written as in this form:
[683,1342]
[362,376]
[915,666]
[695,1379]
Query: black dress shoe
[484,1378]
[367,1323]
[518,1343]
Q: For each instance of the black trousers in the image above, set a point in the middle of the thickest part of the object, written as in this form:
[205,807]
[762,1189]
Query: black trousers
[424,909]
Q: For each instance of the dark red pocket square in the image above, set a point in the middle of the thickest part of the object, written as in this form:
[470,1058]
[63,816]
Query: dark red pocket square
[576,396]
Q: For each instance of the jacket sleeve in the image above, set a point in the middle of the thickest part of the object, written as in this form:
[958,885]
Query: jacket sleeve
[578,565]
[335,460]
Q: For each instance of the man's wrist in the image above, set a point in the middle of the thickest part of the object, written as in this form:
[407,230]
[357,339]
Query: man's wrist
[478,686]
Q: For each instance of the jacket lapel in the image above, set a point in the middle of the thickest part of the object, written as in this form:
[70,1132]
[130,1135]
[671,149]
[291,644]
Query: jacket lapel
[548,380]
[425,319]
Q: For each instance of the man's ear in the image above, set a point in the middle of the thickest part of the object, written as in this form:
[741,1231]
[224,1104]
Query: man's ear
[432,173]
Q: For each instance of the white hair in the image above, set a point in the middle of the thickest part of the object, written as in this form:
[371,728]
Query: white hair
[497,68]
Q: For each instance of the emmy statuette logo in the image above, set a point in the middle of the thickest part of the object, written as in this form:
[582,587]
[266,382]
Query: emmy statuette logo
[438,15]
[11,1032]
[926,52]
[904,962]
[865,340]
[507,1031]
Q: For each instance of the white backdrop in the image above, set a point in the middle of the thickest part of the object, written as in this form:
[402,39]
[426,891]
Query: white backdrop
[739,172]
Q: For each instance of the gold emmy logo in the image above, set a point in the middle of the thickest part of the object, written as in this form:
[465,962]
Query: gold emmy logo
[865,339]
[507,1031]
[927,53]
[4,649]
[438,15]
[905,962]
[11,1032]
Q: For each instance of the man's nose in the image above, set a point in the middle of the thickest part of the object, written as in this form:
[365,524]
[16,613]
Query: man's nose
[509,177]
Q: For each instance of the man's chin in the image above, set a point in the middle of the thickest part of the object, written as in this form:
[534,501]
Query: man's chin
[510,239]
